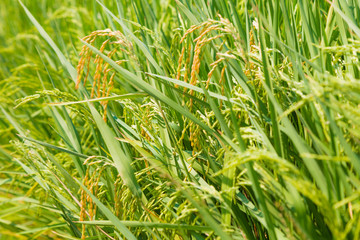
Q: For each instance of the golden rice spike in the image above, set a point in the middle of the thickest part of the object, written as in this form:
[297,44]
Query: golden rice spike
[179,65]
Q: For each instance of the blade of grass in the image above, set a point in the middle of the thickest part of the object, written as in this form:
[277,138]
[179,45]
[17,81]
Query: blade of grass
[122,162]
[112,218]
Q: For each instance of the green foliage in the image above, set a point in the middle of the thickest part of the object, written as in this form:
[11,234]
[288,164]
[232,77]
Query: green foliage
[180,119]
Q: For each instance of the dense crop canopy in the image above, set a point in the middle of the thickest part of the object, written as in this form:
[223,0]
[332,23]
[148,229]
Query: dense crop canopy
[179,119]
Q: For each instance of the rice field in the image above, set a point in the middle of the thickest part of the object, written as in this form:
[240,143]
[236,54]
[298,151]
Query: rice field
[180,119]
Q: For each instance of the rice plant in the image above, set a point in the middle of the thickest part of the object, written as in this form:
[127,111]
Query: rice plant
[185,119]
